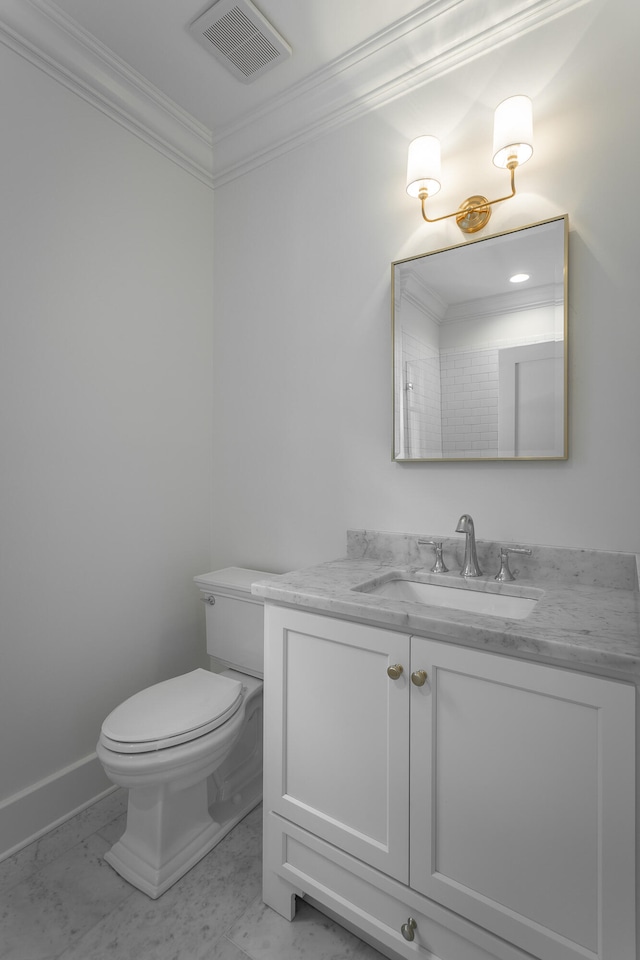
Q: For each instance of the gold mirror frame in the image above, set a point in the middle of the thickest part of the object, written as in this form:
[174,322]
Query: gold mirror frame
[454,309]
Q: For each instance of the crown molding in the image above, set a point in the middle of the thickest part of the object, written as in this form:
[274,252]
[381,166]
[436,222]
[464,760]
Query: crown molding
[420,295]
[496,305]
[443,35]
[435,39]
[45,36]
[431,306]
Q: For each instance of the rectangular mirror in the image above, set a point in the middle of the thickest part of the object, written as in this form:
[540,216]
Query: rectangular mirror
[479,356]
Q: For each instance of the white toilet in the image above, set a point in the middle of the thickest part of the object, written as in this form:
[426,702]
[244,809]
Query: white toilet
[190,749]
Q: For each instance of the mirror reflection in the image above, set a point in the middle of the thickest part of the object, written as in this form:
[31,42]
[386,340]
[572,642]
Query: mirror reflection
[479,348]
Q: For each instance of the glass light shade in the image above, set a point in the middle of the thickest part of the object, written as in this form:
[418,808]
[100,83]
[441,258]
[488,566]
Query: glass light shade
[513,131]
[423,166]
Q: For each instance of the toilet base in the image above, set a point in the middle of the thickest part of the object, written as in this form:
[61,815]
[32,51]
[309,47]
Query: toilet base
[153,868]
[175,818]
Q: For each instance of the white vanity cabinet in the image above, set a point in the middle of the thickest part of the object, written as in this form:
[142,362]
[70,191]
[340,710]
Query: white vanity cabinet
[494,804]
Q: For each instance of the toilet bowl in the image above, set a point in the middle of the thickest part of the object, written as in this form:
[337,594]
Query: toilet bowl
[189,749]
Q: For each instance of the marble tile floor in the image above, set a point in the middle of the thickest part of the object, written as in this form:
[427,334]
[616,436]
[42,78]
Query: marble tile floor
[59,900]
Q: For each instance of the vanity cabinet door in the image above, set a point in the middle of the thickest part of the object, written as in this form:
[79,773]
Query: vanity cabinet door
[522,800]
[336,743]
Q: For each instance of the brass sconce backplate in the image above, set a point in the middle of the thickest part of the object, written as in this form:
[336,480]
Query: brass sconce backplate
[473,214]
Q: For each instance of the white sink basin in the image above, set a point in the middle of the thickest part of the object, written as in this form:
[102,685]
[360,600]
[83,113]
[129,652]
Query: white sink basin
[512,607]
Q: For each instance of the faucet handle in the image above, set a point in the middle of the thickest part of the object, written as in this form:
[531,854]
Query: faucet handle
[439,565]
[504,574]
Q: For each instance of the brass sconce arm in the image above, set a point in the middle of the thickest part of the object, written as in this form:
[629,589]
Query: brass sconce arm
[473,214]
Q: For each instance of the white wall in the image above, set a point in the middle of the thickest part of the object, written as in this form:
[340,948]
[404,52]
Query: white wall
[114,473]
[105,420]
[302,282]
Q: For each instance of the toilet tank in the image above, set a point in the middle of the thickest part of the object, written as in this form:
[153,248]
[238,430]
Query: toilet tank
[235,619]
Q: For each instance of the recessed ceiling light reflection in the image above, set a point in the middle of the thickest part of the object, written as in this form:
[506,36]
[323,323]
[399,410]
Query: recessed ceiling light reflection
[519,278]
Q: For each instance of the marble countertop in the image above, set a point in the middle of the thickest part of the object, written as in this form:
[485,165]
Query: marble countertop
[579,625]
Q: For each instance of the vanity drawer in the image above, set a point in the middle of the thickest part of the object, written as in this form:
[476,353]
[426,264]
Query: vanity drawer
[376,906]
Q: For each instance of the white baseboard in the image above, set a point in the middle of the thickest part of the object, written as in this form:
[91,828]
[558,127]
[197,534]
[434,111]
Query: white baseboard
[29,814]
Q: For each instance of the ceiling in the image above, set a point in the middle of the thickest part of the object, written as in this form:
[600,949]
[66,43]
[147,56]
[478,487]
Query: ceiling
[152,36]
[482,269]
[138,61]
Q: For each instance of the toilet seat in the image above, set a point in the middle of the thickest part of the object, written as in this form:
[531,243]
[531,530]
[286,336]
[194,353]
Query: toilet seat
[172,712]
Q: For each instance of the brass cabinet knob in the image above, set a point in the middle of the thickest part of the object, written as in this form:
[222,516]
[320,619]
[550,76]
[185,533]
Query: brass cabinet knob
[407,929]
[395,671]
[419,677]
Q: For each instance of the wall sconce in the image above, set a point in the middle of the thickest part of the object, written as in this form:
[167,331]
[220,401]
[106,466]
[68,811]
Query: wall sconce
[512,145]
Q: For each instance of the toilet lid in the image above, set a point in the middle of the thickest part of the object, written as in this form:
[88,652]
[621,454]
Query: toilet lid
[172,712]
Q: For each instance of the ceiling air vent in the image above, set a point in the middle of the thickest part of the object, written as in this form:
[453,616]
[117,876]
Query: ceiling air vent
[237,35]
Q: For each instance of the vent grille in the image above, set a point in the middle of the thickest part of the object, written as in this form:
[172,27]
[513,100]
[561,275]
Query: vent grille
[237,34]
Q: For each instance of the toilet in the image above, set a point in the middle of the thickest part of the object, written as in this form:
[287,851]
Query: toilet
[189,749]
